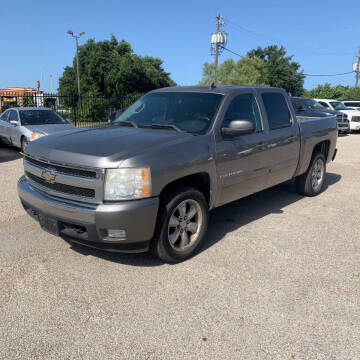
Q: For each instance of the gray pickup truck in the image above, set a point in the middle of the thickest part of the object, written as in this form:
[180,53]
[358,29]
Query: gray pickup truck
[148,180]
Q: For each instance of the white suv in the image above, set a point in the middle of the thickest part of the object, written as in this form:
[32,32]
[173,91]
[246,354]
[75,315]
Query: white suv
[353,114]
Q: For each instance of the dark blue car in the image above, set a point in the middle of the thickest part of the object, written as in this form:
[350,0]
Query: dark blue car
[306,107]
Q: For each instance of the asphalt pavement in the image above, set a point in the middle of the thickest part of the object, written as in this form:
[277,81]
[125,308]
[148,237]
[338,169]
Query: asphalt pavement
[278,278]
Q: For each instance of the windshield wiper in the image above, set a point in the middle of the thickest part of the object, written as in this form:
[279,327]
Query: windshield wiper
[162,126]
[125,123]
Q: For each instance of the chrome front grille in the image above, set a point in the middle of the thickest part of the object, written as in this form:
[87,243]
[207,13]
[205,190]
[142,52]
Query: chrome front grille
[342,118]
[63,188]
[62,169]
[65,181]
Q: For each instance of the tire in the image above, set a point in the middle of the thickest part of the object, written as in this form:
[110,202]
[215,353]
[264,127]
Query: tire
[312,182]
[24,143]
[176,237]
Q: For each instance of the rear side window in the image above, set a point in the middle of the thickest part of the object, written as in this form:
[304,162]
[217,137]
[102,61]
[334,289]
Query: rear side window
[277,110]
[347,103]
[4,116]
[244,107]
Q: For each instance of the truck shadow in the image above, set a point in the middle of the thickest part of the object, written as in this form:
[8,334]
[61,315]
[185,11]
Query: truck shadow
[9,154]
[232,216]
[222,220]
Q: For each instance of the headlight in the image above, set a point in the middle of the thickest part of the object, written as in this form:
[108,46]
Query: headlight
[35,136]
[355,118]
[127,184]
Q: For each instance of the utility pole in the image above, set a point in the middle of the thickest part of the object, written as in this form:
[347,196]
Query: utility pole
[218,40]
[357,69]
[51,83]
[77,60]
[218,18]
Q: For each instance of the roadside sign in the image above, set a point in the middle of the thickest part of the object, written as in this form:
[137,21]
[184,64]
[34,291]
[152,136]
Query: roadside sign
[355,66]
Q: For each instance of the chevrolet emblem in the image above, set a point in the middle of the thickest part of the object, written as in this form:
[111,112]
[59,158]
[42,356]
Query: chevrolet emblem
[48,176]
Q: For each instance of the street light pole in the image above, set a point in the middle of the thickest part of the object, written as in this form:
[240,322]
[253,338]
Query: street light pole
[77,60]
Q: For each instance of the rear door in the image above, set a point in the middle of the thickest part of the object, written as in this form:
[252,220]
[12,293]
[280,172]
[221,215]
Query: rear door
[283,137]
[241,162]
[4,126]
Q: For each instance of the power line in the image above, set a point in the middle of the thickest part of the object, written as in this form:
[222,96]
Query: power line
[345,73]
[233,52]
[239,27]
[349,72]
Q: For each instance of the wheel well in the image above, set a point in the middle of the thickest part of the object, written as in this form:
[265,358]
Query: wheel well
[323,147]
[200,181]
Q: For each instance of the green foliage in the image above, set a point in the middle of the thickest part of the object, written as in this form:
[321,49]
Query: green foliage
[111,69]
[281,71]
[246,71]
[28,101]
[269,66]
[337,92]
[352,94]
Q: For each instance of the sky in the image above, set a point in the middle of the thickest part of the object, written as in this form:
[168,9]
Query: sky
[323,36]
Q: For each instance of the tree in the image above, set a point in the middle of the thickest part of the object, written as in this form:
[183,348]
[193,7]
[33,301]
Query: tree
[246,71]
[337,92]
[111,69]
[327,91]
[281,71]
[353,93]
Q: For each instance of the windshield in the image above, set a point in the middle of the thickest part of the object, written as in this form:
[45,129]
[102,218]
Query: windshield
[189,112]
[337,105]
[40,117]
[307,104]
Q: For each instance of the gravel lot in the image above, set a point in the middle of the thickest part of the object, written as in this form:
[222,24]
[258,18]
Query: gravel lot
[277,279]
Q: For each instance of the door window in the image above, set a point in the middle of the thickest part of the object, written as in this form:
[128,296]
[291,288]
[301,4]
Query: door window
[4,116]
[277,110]
[13,116]
[244,107]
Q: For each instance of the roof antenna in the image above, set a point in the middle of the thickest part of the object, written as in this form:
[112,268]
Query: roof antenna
[212,85]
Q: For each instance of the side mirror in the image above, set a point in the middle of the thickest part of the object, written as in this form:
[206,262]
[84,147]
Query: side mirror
[14,122]
[238,128]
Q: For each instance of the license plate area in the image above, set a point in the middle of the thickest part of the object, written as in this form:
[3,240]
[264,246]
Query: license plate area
[49,224]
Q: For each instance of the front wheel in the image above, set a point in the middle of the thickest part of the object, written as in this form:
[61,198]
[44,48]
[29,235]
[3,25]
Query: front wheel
[181,226]
[311,182]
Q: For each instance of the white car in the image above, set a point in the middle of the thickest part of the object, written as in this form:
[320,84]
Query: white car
[20,125]
[354,104]
[353,114]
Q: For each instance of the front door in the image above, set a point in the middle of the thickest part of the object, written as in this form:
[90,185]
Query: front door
[242,166]
[14,129]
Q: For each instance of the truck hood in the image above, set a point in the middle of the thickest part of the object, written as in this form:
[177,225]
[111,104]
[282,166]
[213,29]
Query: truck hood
[351,112]
[48,129]
[102,147]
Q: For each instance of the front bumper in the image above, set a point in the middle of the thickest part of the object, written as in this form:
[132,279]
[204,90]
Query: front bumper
[343,127]
[89,224]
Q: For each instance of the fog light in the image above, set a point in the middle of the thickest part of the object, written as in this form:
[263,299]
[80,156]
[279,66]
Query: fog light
[115,235]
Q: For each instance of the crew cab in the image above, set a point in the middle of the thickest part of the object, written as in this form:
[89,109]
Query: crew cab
[353,114]
[148,180]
